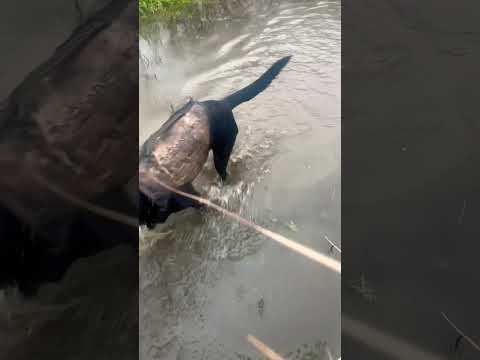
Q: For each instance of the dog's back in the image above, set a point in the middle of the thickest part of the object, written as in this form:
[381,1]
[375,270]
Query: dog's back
[176,156]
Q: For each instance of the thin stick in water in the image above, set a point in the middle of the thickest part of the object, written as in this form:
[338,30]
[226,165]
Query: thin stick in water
[332,244]
[264,349]
[475,345]
[324,260]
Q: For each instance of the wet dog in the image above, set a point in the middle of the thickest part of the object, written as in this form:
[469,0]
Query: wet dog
[177,152]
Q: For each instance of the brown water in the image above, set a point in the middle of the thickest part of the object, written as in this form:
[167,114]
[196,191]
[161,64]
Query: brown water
[205,282]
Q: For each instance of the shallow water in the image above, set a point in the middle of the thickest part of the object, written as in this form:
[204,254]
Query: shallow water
[205,282]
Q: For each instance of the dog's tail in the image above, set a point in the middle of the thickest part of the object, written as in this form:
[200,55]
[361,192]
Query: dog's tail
[255,88]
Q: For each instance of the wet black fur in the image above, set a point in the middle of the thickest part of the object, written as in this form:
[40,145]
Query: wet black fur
[223,133]
[30,258]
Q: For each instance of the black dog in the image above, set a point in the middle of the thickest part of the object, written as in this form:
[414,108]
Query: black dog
[177,152]
[29,259]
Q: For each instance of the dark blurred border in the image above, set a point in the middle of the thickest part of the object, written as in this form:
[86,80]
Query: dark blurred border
[68,144]
[410,179]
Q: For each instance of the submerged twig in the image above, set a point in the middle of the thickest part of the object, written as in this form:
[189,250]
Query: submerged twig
[264,349]
[292,245]
[332,244]
[475,345]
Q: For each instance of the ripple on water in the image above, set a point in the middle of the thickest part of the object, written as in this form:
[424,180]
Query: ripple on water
[227,47]
[183,259]
[177,269]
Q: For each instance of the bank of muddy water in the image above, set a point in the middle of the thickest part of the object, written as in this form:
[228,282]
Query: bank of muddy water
[192,17]
[206,282]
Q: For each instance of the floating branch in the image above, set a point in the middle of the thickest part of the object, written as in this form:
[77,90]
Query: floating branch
[264,349]
[292,245]
[333,246]
[462,334]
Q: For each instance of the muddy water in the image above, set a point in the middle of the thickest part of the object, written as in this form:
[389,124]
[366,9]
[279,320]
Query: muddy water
[205,282]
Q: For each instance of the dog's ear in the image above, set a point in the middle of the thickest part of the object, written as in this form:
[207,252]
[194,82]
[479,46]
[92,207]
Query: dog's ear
[224,136]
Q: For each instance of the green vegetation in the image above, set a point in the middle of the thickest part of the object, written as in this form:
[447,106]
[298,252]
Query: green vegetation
[169,11]
[180,17]
[190,17]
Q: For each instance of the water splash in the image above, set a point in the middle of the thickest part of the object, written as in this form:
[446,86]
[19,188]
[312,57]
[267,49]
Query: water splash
[185,259]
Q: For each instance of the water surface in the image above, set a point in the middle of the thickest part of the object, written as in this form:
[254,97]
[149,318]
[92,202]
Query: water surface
[206,282]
